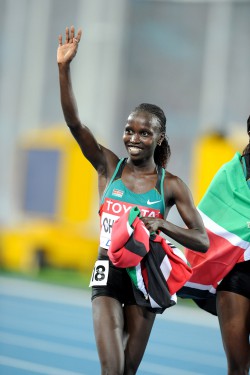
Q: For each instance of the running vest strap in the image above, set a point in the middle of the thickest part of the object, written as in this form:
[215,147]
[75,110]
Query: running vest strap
[117,199]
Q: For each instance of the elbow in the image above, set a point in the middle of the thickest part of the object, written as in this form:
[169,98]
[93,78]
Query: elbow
[204,245]
[71,118]
[73,124]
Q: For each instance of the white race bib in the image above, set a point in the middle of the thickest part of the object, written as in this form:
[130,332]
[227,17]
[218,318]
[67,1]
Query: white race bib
[100,273]
[107,222]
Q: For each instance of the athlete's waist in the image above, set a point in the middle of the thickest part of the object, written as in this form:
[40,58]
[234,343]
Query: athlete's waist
[102,252]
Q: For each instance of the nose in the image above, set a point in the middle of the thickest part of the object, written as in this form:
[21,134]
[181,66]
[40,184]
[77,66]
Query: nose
[135,138]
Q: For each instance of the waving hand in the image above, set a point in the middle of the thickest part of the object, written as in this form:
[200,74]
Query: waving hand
[66,51]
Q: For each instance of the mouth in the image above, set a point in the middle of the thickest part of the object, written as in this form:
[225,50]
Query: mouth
[133,150]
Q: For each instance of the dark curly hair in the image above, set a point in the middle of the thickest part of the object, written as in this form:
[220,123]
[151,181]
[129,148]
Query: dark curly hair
[247,148]
[162,152]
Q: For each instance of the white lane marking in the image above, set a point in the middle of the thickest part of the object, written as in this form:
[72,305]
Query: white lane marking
[44,292]
[91,355]
[78,297]
[154,368]
[35,327]
[47,346]
[34,367]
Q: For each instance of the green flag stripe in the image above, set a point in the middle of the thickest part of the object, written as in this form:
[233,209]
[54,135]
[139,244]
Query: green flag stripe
[227,200]
[218,230]
[227,217]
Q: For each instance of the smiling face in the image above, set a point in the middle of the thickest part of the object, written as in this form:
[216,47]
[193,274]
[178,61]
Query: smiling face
[141,135]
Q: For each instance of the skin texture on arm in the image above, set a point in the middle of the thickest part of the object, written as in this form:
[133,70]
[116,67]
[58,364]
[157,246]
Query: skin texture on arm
[102,159]
[194,236]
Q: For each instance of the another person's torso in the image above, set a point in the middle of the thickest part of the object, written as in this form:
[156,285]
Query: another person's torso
[245,161]
[117,199]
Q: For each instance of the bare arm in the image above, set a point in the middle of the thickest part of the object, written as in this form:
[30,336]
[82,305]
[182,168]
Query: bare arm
[194,236]
[99,156]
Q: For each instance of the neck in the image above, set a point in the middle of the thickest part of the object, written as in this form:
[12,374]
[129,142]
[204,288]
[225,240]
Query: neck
[143,166]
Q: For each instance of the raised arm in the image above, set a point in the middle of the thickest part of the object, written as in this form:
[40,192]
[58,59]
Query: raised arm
[98,156]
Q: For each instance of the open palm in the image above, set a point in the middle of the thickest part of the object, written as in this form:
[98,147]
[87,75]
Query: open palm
[66,51]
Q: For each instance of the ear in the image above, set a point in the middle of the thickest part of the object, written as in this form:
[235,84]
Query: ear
[162,136]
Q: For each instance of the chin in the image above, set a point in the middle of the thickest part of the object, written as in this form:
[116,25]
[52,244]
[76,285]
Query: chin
[135,156]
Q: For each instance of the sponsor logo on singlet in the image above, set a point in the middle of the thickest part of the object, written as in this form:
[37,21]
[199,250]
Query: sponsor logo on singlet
[152,202]
[111,210]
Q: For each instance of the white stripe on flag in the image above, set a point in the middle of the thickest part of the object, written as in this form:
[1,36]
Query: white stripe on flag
[222,232]
[140,281]
[180,254]
[210,288]
[177,251]
[166,267]
[152,302]
[174,297]
[130,230]
[247,254]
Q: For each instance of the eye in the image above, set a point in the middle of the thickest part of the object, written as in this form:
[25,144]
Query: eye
[145,133]
[128,131]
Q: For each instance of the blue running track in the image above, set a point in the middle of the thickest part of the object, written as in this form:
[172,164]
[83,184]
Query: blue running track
[48,330]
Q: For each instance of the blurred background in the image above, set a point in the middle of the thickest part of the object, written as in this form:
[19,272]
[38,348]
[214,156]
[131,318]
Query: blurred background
[189,57]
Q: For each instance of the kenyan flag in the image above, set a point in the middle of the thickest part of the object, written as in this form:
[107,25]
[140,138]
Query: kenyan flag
[225,210]
[156,267]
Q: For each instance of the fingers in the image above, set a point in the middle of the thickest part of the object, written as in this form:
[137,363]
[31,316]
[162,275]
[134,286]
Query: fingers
[77,38]
[79,35]
[70,36]
[60,39]
[67,35]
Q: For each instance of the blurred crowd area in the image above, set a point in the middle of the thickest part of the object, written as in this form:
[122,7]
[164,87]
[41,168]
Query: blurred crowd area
[189,57]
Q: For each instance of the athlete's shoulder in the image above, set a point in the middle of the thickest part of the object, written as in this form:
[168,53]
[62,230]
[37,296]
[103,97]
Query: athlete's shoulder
[172,178]
[174,185]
